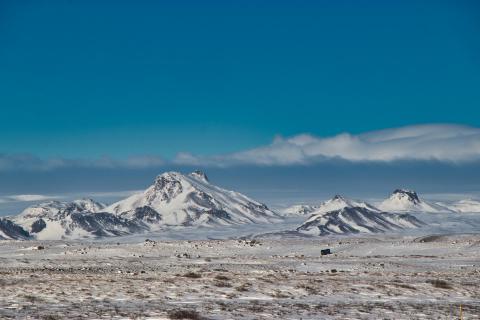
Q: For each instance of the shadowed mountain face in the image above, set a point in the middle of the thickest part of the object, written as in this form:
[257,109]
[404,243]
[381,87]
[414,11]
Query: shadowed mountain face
[103,224]
[409,195]
[355,220]
[11,230]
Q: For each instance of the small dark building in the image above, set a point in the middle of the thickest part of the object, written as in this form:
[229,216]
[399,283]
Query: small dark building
[324,252]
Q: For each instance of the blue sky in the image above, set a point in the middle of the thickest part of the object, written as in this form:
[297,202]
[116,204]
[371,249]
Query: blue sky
[89,78]
[121,87]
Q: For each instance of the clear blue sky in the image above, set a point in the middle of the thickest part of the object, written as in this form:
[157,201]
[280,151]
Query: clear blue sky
[92,78]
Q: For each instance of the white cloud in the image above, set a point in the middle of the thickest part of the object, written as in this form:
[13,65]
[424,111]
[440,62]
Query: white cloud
[440,142]
[18,198]
[27,198]
[30,162]
[31,197]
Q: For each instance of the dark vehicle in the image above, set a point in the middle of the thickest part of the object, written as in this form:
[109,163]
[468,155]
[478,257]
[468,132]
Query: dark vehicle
[324,252]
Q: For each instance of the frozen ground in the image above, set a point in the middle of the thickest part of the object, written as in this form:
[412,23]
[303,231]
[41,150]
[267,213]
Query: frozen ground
[375,277]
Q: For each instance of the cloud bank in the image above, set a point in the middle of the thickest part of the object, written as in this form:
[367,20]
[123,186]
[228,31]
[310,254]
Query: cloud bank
[448,143]
[30,162]
[433,142]
[27,198]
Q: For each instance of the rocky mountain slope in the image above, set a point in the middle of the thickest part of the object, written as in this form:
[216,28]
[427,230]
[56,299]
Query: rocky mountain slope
[9,230]
[72,220]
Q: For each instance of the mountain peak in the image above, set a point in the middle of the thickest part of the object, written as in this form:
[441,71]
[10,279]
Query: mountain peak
[53,207]
[338,202]
[402,200]
[409,195]
[167,186]
[199,175]
[169,175]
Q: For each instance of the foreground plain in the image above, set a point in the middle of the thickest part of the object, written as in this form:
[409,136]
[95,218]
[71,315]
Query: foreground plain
[365,278]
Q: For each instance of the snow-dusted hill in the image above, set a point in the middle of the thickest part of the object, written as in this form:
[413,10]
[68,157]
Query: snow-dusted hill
[299,210]
[338,202]
[335,203]
[465,206]
[402,200]
[71,220]
[352,220]
[190,200]
[12,231]
[51,209]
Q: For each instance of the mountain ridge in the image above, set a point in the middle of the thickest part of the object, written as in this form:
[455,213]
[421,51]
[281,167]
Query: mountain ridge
[191,200]
[174,199]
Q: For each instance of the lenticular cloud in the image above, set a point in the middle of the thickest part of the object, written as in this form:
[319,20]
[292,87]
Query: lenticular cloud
[450,143]
[437,142]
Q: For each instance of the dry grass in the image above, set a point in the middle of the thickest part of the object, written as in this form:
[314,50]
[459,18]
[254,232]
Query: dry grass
[193,275]
[184,314]
[243,287]
[222,277]
[222,284]
[440,284]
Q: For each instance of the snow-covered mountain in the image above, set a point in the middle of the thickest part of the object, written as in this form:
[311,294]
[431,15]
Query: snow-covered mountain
[71,220]
[12,231]
[345,216]
[190,200]
[402,200]
[173,200]
[352,220]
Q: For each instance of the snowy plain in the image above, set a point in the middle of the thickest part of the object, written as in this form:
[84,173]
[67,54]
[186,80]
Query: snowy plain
[373,277]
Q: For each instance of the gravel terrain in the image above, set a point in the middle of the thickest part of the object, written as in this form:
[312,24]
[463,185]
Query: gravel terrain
[377,277]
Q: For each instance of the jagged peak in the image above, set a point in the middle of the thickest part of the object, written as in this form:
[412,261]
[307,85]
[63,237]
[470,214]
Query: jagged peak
[166,186]
[410,194]
[338,197]
[199,175]
[169,175]
[167,178]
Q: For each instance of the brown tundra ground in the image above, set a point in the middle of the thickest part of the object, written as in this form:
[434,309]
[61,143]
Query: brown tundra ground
[364,278]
